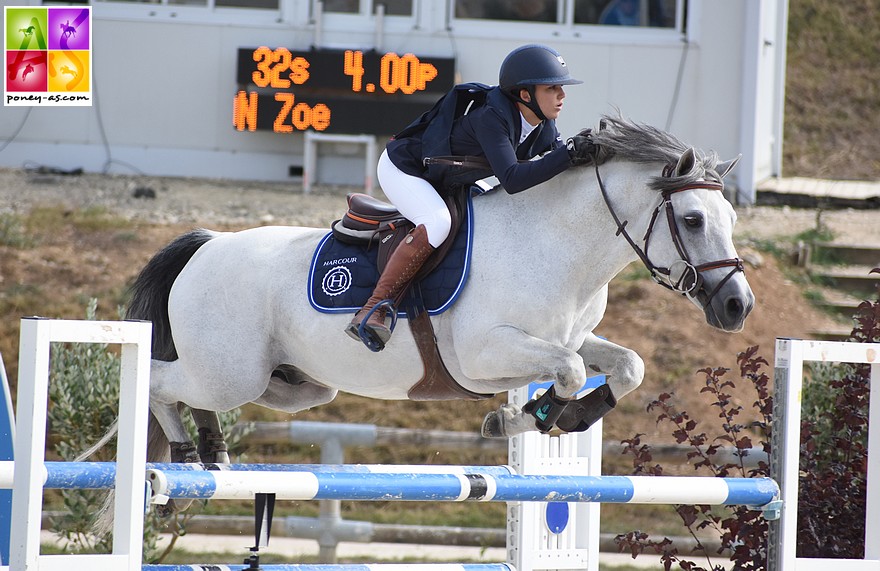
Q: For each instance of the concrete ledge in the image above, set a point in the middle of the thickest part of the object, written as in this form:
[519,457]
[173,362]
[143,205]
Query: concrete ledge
[813,193]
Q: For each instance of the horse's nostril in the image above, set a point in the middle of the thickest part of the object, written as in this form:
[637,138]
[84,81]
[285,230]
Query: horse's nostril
[734,307]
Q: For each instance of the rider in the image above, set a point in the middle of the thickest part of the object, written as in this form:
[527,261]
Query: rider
[514,126]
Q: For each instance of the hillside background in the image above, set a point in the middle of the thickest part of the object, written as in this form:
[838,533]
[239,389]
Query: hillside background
[832,101]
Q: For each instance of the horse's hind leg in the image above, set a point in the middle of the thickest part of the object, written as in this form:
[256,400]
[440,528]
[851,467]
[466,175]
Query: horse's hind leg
[182,447]
[212,446]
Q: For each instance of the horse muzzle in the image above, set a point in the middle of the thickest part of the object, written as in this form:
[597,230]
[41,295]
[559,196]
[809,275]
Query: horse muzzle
[728,308]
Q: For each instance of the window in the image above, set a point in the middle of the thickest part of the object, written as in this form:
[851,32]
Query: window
[253,4]
[392,7]
[636,13]
[651,13]
[518,10]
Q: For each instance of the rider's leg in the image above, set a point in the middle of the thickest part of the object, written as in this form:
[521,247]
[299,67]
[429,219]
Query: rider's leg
[417,200]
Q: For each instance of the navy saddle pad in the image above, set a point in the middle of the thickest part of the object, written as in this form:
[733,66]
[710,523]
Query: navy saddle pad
[342,276]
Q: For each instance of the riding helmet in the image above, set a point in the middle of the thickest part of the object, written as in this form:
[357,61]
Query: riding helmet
[531,65]
[534,64]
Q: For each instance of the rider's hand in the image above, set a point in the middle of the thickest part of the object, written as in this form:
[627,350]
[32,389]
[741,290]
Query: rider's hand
[581,149]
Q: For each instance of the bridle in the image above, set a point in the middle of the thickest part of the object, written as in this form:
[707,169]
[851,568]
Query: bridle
[690,282]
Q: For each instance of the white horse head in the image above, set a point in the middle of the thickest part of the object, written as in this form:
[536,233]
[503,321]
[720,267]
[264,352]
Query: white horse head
[687,244]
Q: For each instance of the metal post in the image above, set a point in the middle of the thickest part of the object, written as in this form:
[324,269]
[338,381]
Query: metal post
[330,514]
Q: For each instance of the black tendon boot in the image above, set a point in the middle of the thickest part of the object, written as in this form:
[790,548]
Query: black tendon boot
[546,409]
[581,414]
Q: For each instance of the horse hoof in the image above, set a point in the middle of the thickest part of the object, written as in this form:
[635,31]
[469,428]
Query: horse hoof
[493,426]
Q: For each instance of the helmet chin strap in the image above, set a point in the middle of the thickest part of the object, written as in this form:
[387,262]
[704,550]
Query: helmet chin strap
[532,105]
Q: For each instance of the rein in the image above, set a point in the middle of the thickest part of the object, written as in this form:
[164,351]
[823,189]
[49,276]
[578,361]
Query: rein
[690,282]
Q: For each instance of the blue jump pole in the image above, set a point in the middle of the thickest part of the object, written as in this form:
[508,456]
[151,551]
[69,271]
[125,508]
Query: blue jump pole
[475,486]
[101,475]
[7,438]
[407,483]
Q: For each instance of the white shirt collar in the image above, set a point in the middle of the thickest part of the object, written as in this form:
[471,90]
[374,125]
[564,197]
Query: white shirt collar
[526,130]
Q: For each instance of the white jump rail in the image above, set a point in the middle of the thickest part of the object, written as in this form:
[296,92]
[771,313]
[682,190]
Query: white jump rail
[791,354]
[30,442]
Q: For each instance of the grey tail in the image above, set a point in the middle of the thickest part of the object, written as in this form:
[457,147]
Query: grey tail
[150,290]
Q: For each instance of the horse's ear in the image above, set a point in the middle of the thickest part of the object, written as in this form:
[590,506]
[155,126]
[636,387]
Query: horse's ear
[724,168]
[686,163]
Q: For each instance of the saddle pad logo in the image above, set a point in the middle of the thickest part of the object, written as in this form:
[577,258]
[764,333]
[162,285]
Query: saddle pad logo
[336,281]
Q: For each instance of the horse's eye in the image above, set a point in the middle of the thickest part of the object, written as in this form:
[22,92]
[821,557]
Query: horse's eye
[694,220]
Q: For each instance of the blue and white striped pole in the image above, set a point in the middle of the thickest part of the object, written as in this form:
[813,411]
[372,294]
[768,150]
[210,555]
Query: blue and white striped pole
[474,486]
[407,483]
[101,475]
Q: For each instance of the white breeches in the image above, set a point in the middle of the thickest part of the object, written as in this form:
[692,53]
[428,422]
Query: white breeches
[416,199]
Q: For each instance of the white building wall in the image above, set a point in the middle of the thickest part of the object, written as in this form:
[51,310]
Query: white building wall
[164,81]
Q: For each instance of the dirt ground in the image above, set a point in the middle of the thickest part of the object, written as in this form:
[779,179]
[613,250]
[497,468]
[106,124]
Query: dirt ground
[75,259]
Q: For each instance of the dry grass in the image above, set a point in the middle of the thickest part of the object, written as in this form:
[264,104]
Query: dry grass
[832,103]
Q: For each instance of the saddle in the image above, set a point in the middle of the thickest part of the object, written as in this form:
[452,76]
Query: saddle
[370,221]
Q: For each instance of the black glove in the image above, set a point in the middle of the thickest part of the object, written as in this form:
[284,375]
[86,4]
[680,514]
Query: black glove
[581,149]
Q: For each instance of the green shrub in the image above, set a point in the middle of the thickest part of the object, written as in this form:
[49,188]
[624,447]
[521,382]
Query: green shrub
[12,232]
[84,397]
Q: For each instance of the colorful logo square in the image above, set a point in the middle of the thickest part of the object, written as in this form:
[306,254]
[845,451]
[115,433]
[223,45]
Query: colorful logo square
[69,29]
[27,71]
[48,56]
[26,28]
[68,71]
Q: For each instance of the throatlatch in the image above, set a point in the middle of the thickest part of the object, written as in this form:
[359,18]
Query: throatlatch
[570,416]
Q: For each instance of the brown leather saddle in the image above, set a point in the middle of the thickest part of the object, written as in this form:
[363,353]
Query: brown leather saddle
[377,223]
[374,222]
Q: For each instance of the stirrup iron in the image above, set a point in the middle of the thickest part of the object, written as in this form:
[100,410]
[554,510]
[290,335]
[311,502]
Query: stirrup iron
[372,342]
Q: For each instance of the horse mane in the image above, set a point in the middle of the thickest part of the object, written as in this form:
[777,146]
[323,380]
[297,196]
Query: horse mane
[630,141]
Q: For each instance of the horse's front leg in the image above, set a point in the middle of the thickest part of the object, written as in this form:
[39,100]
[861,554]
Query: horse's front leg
[622,367]
[511,353]
[624,371]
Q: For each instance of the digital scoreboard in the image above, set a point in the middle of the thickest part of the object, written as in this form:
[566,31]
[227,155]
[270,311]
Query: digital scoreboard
[335,91]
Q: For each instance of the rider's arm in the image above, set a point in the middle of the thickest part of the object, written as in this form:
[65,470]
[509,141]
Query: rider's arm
[491,132]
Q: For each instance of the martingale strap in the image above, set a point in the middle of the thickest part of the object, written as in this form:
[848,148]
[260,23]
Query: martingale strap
[436,383]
